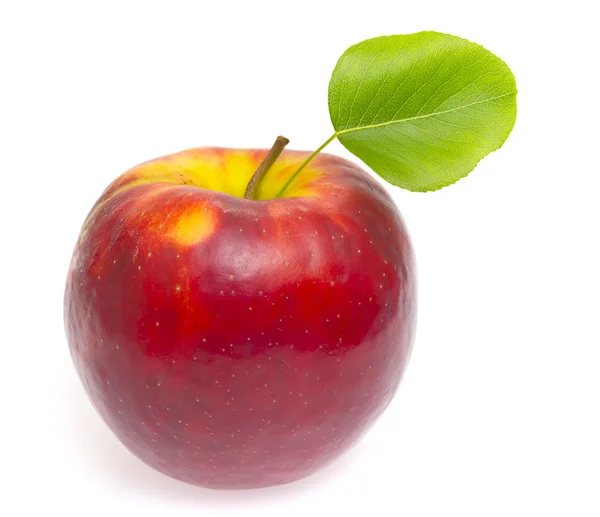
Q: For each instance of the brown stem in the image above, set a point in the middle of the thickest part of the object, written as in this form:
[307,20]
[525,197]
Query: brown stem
[252,188]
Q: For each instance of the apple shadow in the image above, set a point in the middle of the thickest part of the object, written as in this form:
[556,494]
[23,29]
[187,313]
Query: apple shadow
[119,468]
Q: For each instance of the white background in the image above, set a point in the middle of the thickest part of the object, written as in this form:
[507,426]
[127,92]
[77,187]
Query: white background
[499,410]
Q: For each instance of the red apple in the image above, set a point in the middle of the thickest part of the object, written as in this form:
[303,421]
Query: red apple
[236,343]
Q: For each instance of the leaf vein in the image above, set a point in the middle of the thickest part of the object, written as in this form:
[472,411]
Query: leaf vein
[426,115]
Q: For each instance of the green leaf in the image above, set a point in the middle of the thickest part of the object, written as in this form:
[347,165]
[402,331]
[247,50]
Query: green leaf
[421,109]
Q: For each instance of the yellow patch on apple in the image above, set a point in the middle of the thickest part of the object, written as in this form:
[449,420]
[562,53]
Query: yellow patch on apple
[194,226]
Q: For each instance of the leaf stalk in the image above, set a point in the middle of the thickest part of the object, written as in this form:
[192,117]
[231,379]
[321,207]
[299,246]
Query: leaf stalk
[305,163]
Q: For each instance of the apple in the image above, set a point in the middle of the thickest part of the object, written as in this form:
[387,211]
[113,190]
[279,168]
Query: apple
[240,318]
[240,343]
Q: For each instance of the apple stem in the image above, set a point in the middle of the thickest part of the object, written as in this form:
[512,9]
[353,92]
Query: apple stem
[252,188]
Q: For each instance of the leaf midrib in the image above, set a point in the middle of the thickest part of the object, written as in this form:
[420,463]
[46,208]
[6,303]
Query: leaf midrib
[416,117]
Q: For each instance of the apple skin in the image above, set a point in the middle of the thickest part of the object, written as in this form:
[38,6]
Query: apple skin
[235,343]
